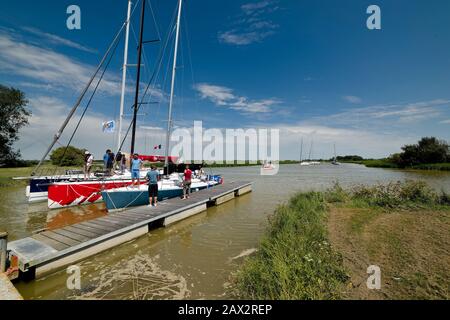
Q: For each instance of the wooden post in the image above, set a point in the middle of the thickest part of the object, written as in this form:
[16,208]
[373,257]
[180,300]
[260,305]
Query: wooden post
[3,245]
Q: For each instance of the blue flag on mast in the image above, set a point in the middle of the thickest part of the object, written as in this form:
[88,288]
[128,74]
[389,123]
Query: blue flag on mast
[109,126]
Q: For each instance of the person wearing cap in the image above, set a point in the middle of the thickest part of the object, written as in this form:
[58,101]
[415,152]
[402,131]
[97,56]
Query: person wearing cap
[88,160]
[136,165]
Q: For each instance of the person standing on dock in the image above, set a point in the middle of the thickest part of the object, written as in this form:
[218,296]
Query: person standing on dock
[152,177]
[110,163]
[120,162]
[136,165]
[105,159]
[88,160]
[187,182]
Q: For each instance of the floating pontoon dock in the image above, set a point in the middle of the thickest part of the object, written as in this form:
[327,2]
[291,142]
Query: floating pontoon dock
[49,251]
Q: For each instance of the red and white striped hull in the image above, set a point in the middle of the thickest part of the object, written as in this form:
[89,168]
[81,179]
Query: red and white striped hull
[62,195]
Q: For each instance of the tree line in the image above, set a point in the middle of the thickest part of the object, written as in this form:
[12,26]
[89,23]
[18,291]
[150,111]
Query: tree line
[429,150]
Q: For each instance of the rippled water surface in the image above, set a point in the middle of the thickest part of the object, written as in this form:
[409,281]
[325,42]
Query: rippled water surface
[193,258]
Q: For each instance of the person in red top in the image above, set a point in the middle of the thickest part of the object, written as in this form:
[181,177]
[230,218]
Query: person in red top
[187,182]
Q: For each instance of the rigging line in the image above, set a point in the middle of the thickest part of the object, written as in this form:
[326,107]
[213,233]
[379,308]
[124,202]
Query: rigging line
[149,3]
[157,70]
[182,79]
[144,54]
[89,102]
[155,75]
[80,98]
[189,49]
[146,60]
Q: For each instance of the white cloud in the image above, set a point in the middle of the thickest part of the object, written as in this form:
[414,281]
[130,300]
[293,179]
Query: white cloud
[223,96]
[253,27]
[48,113]
[352,99]
[54,39]
[250,8]
[445,121]
[237,38]
[396,113]
[348,141]
[48,67]
[148,128]
[219,95]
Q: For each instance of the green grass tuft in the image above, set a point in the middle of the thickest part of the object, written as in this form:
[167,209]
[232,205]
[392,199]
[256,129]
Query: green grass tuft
[295,260]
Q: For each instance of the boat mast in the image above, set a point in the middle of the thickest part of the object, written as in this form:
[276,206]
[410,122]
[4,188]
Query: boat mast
[138,78]
[310,150]
[124,77]
[169,122]
[335,157]
[301,151]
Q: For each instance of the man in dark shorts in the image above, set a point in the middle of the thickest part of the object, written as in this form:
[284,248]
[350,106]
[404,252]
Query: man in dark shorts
[152,177]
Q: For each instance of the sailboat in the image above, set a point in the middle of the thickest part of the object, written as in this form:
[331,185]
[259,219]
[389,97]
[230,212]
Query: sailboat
[170,186]
[303,163]
[310,162]
[38,187]
[72,189]
[335,162]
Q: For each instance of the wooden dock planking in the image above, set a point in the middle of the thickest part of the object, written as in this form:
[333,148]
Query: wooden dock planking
[82,232]
[73,235]
[60,238]
[101,226]
[79,241]
[88,231]
[52,243]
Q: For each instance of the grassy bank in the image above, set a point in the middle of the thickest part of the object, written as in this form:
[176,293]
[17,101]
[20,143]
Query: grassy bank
[319,245]
[294,259]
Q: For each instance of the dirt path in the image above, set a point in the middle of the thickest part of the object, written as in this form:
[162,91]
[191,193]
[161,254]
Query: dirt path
[412,248]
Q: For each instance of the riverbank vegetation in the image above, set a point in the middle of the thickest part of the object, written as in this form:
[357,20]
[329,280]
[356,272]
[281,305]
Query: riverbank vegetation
[320,244]
[429,153]
[13,116]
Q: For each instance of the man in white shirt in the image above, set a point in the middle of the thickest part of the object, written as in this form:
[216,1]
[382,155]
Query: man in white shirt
[88,161]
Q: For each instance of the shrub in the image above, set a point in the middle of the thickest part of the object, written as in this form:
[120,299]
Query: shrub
[66,158]
[444,198]
[336,194]
[396,194]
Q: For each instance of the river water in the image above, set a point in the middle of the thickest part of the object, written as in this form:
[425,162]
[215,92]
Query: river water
[194,258]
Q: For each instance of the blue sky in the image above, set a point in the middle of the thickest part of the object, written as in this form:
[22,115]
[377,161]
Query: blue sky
[309,68]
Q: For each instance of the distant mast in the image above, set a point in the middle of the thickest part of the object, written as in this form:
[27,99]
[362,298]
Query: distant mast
[124,77]
[301,151]
[174,70]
